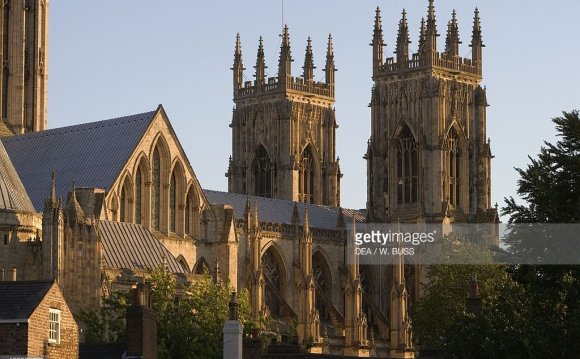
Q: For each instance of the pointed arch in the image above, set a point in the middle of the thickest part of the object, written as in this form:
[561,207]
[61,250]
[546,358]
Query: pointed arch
[160,163]
[192,211]
[263,173]
[176,197]
[307,179]
[126,199]
[406,166]
[274,272]
[181,260]
[323,279]
[142,180]
[454,168]
[201,267]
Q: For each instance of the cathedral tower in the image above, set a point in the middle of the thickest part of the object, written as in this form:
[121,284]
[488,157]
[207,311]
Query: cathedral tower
[283,130]
[23,78]
[428,156]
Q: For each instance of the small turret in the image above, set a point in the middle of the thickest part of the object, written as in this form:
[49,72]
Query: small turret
[238,66]
[309,63]
[476,41]
[73,208]
[330,68]
[285,62]
[452,42]
[260,66]
[403,41]
[377,43]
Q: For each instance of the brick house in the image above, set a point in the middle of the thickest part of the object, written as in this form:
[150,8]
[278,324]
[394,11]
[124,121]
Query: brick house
[36,321]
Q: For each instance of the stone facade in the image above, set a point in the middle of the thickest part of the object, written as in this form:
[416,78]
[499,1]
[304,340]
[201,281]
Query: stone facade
[283,129]
[23,79]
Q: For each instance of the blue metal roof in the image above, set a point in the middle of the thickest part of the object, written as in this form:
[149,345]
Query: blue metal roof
[272,210]
[91,154]
[12,193]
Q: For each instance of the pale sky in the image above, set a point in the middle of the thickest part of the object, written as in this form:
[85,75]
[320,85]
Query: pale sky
[111,58]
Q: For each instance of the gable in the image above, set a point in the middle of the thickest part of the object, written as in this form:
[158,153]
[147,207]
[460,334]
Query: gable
[91,154]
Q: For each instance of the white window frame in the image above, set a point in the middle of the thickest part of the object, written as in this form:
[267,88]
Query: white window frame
[54,320]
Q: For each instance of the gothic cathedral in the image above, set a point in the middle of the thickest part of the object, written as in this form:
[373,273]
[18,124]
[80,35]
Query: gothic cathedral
[284,130]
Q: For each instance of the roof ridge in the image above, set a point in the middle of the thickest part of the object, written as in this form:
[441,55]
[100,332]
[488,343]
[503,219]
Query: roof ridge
[81,126]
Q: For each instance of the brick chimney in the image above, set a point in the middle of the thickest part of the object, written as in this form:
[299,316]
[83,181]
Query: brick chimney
[141,325]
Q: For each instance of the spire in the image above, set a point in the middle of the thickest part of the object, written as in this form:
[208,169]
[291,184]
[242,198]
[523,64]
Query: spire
[377,43]
[422,36]
[476,41]
[403,40]
[330,68]
[285,62]
[260,65]
[452,42]
[74,210]
[309,62]
[431,30]
[255,218]
[238,65]
[306,224]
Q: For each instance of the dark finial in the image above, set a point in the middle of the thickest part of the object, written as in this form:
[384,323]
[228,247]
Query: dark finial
[233,307]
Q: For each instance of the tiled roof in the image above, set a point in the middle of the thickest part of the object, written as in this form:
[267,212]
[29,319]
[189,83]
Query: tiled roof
[131,246]
[90,154]
[12,193]
[280,211]
[18,300]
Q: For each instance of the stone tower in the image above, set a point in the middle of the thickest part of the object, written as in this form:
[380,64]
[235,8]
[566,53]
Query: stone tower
[428,156]
[283,130]
[23,79]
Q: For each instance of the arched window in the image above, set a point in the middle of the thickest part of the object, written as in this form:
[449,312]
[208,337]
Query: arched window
[138,195]
[273,276]
[156,191]
[307,177]
[188,209]
[407,168]
[454,168]
[262,173]
[172,202]
[321,276]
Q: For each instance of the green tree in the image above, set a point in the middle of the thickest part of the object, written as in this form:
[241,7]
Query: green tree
[550,187]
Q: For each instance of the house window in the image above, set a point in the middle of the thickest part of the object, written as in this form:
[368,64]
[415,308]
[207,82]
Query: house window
[6,239]
[54,326]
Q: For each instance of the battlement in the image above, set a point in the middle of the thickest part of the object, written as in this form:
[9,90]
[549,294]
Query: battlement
[273,85]
[284,82]
[438,60]
[427,55]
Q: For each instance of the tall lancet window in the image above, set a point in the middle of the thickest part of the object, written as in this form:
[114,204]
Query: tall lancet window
[307,178]
[454,168]
[407,168]
[172,203]
[156,190]
[262,173]
[138,195]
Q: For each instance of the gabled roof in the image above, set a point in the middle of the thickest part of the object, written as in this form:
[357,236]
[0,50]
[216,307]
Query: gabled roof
[131,246]
[19,299]
[273,210]
[91,154]
[12,193]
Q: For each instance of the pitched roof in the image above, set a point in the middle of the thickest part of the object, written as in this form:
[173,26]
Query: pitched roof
[19,299]
[12,193]
[91,154]
[131,246]
[273,210]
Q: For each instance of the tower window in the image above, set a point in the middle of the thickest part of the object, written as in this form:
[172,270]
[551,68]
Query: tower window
[172,203]
[307,177]
[262,173]
[138,196]
[407,168]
